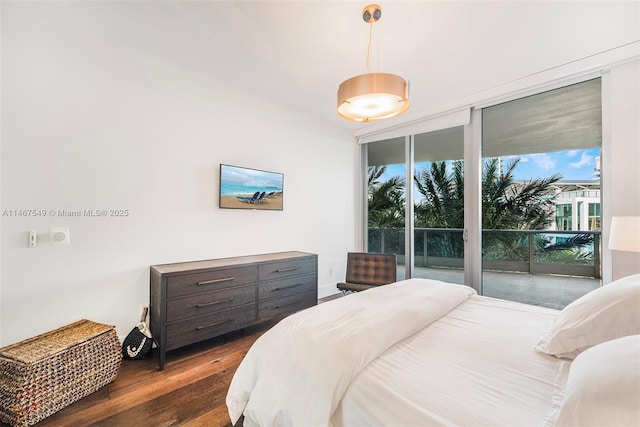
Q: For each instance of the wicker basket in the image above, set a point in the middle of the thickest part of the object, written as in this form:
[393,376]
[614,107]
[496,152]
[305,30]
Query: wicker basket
[41,375]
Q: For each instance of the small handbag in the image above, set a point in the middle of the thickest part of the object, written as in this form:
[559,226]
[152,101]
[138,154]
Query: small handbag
[139,341]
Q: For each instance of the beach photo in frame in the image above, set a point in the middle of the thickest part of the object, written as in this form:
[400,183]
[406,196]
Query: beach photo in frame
[246,188]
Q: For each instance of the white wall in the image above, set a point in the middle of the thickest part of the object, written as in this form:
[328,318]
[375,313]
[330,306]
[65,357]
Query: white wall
[102,111]
[621,157]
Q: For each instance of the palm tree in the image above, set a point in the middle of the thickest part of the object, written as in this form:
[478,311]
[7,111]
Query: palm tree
[385,199]
[443,196]
[385,205]
[506,204]
[442,206]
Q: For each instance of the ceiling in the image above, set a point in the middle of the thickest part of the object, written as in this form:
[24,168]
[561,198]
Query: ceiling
[297,52]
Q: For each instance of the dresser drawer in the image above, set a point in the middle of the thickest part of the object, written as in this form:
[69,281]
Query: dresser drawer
[208,302]
[199,328]
[199,300]
[288,268]
[284,287]
[189,284]
[278,308]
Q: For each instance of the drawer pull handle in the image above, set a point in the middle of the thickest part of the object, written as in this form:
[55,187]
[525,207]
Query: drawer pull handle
[219,301]
[285,305]
[287,287]
[284,270]
[208,282]
[212,325]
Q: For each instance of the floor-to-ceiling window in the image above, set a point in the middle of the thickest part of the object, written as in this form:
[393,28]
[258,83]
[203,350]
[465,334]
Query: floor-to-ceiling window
[539,168]
[386,176]
[439,204]
[594,216]
[563,217]
[538,184]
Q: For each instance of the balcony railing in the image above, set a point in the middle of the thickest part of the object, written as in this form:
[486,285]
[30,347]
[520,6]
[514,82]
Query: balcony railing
[572,253]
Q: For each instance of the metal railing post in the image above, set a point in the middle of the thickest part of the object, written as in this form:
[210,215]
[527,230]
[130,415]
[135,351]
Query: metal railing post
[424,243]
[596,256]
[531,253]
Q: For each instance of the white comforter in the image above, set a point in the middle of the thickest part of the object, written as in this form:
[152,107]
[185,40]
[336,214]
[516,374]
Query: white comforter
[475,366]
[297,373]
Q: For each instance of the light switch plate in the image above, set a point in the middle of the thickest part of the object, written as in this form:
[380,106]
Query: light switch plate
[59,236]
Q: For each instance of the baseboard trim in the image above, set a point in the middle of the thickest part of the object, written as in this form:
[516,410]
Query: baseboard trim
[327,290]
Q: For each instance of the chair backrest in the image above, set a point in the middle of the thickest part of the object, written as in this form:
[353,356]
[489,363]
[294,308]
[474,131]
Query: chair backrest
[371,269]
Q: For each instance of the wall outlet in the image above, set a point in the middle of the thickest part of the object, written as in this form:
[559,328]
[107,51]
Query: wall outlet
[33,239]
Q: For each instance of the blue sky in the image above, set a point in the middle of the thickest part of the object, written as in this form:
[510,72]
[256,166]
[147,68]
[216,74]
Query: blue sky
[572,164]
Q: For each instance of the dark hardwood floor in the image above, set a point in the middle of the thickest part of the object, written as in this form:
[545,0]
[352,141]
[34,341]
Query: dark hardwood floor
[189,392]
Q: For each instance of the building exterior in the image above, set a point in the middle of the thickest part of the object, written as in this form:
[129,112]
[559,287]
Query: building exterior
[578,203]
[577,206]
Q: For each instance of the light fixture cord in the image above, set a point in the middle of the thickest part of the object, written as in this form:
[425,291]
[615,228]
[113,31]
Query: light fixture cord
[369,43]
[369,47]
[378,53]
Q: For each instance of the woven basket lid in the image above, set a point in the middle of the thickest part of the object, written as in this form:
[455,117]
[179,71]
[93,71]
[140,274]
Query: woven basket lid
[53,342]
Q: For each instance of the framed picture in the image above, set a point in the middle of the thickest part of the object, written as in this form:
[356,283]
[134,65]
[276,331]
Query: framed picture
[245,188]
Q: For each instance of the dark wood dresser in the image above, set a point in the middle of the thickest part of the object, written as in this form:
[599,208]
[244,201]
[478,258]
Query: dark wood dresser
[198,300]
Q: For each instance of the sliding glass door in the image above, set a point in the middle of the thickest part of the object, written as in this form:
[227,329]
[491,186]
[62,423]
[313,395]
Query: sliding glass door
[439,205]
[531,184]
[540,185]
[436,199]
[386,179]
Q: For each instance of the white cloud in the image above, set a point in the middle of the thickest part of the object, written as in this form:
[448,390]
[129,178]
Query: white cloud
[543,161]
[585,160]
[573,153]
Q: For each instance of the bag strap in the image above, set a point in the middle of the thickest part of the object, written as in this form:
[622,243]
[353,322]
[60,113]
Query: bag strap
[143,326]
[145,315]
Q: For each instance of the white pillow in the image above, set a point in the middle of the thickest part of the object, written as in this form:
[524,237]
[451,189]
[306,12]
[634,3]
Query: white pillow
[609,312]
[603,387]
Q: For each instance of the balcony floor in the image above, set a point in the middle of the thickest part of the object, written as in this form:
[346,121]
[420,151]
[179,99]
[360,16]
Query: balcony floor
[536,289]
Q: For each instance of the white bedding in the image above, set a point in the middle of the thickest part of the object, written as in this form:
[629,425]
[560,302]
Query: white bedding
[424,353]
[297,372]
[474,367]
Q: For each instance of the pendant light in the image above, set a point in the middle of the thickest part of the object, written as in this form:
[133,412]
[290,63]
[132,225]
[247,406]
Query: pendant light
[372,96]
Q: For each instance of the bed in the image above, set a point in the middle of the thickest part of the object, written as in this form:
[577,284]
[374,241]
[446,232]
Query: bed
[422,352]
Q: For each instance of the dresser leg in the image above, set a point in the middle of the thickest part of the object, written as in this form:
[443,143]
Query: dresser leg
[161,358]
